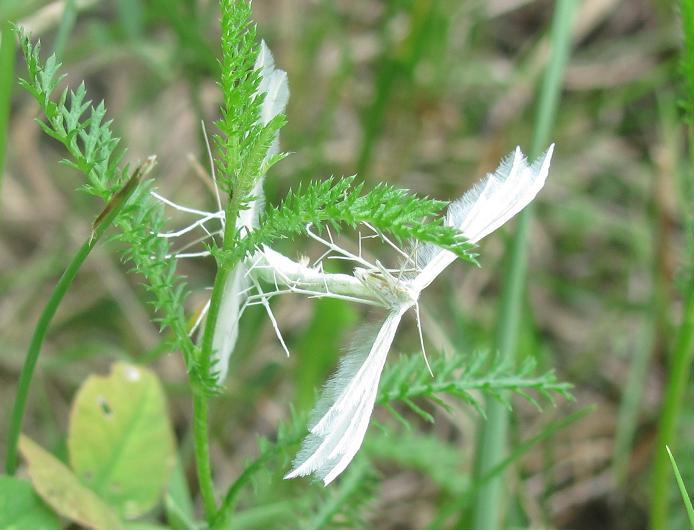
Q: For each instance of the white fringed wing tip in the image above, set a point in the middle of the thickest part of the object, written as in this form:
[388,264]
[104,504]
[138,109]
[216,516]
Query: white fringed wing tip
[273,83]
[500,195]
[487,206]
[343,413]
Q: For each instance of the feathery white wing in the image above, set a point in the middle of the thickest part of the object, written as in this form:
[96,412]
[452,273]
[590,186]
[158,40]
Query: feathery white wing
[343,413]
[488,205]
[273,83]
[227,329]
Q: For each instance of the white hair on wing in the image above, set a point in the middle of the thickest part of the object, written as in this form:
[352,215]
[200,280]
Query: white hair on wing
[487,206]
[500,196]
[341,417]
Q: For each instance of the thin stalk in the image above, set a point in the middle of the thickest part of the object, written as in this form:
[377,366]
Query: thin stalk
[488,512]
[202,455]
[679,371]
[229,503]
[101,223]
[67,22]
[654,335]
[683,489]
[7,57]
[200,404]
[679,368]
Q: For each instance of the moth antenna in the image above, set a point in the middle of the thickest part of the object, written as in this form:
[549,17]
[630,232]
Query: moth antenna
[181,255]
[185,209]
[190,227]
[386,240]
[345,254]
[196,241]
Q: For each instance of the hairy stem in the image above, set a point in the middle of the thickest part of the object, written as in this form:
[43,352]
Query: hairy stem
[102,222]
[488,512]
[200,405]
[202,455]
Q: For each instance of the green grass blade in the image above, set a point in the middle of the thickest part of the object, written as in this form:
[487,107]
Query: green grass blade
[674,394]
[487,514]
[101,224]
[683,490]
[7,57]
[679,369]
[67,22]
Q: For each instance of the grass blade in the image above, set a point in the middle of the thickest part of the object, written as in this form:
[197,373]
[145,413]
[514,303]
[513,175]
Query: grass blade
[7,57]
[102,222]
[487,514]
[683,490]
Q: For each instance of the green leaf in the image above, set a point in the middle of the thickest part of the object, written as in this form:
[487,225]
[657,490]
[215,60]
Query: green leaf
[683,490]
[120,441]
[63,491]
[22,509]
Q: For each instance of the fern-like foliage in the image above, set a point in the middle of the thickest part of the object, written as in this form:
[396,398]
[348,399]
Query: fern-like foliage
[345,505]
[338,203]
[244,140]
[139,223]
[82,129]
[289,434]
[465,377]
[315,507]
[76,123]
[437,459]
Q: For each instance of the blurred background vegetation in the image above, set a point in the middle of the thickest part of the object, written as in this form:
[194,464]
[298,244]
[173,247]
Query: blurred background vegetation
[428,94]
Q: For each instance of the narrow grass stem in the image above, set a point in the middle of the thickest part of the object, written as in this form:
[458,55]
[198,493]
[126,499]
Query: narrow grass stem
[679,372]
[488,512]
[102,222]
[7,57]
[679,366]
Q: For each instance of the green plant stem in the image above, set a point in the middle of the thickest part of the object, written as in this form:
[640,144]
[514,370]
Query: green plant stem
[679,367]
[679,371]
[488,511]
[102,222]
[202,455]
[200,404]
[229,503]
[7,55]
